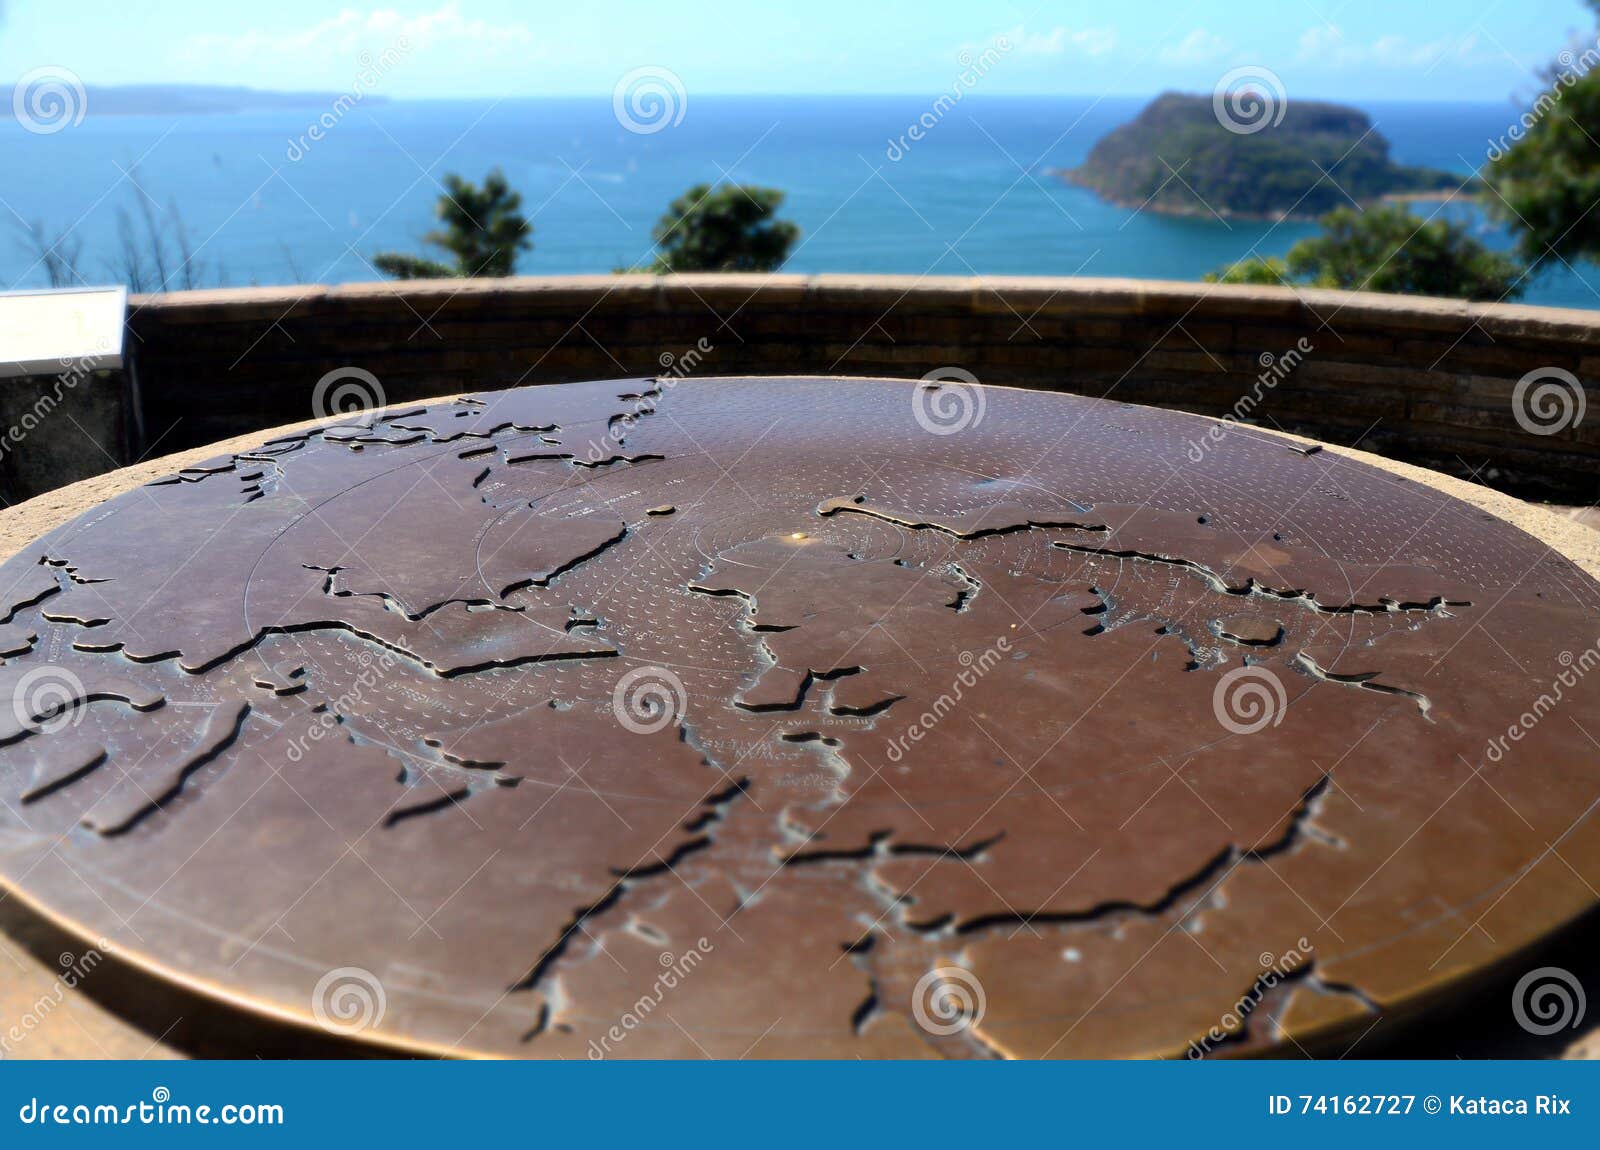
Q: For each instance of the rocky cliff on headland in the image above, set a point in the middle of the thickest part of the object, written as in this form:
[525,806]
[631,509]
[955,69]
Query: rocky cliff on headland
[1183,156]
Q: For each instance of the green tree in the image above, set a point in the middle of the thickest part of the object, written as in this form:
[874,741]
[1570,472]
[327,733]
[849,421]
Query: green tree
[1545,185]
[1268,270]
[732,228]
[483,230]
[1389,249]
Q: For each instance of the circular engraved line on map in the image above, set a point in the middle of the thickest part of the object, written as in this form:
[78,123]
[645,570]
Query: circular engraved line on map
[648,699]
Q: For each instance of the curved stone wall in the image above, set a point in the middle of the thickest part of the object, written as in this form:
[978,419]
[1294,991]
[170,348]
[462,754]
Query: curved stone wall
[1430,381]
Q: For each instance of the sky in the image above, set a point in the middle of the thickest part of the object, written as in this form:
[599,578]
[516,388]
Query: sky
[1450,50]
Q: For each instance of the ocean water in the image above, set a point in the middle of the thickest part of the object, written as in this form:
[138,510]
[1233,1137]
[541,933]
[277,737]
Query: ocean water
[264,204]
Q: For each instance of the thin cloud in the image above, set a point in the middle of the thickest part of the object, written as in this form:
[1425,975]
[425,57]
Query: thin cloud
[1061,40]
[1327,44]
[352,32]
[1198,47]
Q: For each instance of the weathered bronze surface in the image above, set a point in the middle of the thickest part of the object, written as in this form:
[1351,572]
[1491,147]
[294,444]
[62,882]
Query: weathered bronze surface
[791,718]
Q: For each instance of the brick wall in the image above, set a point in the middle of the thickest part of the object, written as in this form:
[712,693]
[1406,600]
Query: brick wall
[1431,381]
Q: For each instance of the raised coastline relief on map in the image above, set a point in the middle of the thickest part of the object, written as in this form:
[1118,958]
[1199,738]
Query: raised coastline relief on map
[1039,739]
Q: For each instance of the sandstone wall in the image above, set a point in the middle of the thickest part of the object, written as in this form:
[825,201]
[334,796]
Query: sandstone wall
[1430,381]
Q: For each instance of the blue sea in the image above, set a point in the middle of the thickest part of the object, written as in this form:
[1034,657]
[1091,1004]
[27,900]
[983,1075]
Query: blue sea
[263,203]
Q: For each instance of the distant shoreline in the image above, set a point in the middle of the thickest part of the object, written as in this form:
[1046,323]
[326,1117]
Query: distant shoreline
[196,100]
[1435,196]
[1185,211]
[1069,176]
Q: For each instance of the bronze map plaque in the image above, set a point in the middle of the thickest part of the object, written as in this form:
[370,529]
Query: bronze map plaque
[800,717]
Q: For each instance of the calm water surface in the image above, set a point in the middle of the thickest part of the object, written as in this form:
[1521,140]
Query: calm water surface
[974,196]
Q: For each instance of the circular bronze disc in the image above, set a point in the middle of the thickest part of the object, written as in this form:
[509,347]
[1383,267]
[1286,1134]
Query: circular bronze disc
[801,717]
